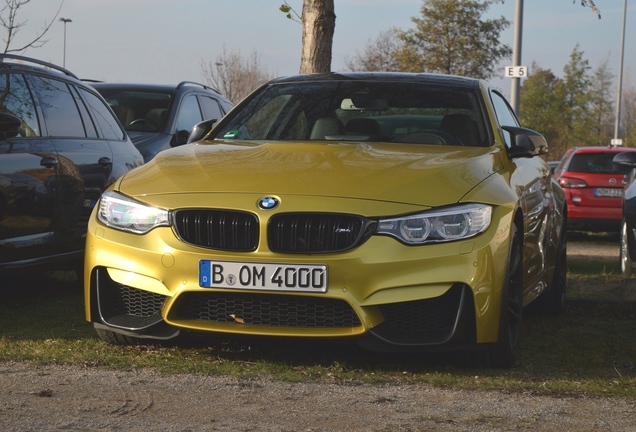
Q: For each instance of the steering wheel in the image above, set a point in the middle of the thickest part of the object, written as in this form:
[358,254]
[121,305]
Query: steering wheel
[429,136]
[145,122]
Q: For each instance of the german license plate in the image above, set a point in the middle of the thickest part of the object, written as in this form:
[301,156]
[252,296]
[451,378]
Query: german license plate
[608,192]
[263,276]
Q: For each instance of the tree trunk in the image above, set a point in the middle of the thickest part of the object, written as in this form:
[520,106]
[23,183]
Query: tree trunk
[319,23]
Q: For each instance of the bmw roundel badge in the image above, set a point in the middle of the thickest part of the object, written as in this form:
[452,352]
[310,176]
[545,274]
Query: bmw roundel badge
[268,203]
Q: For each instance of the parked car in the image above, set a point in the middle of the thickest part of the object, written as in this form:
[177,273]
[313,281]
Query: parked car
[594,187]
[159,116]
[405,211]
[60,147]
[627,161]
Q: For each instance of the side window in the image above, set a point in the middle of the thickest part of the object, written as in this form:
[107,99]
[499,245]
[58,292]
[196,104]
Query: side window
[16,99]
[107,122]
[60,111]
[505,115]
[211,108]
[89,125]
[189,114]
[227,107]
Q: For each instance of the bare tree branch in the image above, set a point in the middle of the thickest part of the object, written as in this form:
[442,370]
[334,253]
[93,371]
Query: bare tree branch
[234,76]
[8,20]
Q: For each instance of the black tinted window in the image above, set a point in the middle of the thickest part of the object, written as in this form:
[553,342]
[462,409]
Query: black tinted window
[89,124]
[60,111]
[596,163]
[504,113]
[189,113]
[226,106]
[16,99]
[211,109]
[107,122]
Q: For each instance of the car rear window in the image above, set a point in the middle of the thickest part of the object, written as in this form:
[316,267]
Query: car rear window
[596,163]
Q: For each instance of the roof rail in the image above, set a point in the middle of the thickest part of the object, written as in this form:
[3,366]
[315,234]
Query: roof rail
[38,62]
[182,83]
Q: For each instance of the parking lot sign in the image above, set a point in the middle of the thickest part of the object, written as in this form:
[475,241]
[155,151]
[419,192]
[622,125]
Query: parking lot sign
[516,71]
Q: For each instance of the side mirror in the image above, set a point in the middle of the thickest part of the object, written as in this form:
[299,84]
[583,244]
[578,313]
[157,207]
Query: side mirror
[625,159]
[526,142]
[200,130]
[9,126]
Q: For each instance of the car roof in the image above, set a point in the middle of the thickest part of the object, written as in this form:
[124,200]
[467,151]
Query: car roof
[33,65]
[150,87]
[423,78]
[601,149]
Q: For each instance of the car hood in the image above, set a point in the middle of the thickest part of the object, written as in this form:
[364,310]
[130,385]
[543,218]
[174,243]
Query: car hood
[406,173]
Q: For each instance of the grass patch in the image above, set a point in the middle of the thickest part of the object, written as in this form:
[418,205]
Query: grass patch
[594,266]
[591,350]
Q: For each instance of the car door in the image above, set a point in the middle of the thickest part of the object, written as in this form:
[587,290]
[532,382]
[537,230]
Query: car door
[532,178]
[28,175]
[84,156]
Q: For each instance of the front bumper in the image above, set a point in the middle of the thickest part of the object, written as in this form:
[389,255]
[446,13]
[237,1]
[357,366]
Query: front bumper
[401,296]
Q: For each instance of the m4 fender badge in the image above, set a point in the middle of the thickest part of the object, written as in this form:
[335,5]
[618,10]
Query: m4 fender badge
[268,203]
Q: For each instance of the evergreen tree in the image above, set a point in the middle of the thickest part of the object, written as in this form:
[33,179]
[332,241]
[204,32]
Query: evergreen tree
[541,106]
[601,106]
[452,38]
[577,84]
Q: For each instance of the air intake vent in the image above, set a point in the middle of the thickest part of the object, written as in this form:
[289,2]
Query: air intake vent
[271,310]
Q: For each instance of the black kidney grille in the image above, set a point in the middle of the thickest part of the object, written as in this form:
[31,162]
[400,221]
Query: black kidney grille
[271,310]
[317,232]
[218,229]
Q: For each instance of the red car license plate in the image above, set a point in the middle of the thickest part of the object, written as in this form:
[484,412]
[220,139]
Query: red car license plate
[608,192]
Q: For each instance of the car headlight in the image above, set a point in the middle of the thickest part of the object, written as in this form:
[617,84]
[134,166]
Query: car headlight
[452,223]
[122,213]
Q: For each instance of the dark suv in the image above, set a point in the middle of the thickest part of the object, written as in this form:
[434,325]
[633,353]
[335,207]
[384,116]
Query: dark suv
[159,116]
[60,146]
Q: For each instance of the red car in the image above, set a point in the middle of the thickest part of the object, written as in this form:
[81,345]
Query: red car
[594,187]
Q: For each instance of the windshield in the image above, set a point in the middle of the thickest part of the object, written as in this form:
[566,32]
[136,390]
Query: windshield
[377,111]
[138,110]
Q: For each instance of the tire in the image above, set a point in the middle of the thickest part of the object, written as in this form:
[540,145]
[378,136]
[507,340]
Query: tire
[627,265]
[504,352]
[552,302]
[116,338]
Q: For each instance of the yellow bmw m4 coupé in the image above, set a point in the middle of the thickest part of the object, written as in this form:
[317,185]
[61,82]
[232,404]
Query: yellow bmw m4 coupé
[409,212]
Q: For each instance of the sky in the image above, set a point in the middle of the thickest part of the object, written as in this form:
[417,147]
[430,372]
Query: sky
[166,41]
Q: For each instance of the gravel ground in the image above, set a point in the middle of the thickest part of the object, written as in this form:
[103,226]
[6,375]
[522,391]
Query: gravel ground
[53,398]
